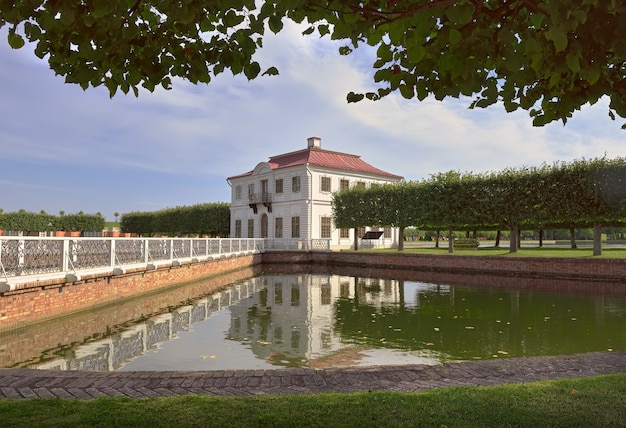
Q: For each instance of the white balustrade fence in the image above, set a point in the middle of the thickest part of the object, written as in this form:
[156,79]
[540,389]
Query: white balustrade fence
[28,259]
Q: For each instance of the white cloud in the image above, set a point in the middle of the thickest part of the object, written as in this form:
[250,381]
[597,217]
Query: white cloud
[65,149]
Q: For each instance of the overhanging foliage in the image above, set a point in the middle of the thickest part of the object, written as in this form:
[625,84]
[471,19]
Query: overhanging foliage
[549,57]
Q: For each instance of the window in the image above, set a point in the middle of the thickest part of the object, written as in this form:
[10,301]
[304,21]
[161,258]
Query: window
[251,191]
[295,339]
[237,228]
[325,228]
[251,228]
[387,232]
[344,184]
[265,191]
[344,289]
[278,334]
[360,185]
[295,184]
[295,295]
[278,293]
[344,233]
[264,226]
[360,232]
[278,186]
[263,297]
[325,185]
[295,227]
[238,192]
[325,294]
[278,227]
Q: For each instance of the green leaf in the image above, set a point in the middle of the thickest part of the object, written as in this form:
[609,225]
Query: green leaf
[231,19]
[537,20]
[272,71]
[67,17]
[16,41]
[455,37]
[416,53]
[460,14]
[558,37]
[206,25]
[252,70]
[345,50]
[591,74]
[275,24]
[407,91]
[354,98]
[101,8]
[573,62]
[532,46]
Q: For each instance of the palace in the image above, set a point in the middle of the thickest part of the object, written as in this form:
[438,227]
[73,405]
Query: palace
[289,197]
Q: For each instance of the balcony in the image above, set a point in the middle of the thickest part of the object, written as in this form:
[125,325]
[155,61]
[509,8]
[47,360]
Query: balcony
[264,198]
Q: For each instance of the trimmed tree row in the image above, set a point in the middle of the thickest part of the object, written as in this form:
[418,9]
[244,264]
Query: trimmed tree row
[30,222]
[211,219]
[579,194]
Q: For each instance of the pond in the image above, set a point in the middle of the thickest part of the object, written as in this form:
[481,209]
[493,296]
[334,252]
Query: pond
[307,317]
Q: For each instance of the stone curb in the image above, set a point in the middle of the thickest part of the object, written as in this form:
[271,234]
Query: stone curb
[31,383]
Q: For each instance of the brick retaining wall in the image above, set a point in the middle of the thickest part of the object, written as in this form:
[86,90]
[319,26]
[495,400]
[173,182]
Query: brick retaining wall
[32,343]
[544,267]
[46,300]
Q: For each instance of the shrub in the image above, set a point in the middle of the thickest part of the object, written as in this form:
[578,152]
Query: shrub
[462,243]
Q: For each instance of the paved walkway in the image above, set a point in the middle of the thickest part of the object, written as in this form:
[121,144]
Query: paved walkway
[28,383]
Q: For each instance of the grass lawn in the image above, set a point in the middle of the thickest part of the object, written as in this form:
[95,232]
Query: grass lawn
[546,251]
[588,402]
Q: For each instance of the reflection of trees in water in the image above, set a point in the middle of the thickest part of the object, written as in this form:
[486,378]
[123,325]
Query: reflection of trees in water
[466,323]
[322,319]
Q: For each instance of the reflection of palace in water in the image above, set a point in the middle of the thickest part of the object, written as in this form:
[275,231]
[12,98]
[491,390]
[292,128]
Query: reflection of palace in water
[325,320]
[290,320]
[285,319]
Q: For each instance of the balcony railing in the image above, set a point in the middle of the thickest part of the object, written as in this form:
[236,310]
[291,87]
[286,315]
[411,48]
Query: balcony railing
[260,198]
[297,245]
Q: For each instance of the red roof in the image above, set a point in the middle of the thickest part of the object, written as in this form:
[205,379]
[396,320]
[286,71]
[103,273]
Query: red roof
[326,159]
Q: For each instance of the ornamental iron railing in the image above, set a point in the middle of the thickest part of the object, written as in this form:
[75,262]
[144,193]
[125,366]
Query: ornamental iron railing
[29,259]
[25,259]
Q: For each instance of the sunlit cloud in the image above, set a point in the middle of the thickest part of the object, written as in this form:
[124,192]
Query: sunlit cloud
[66,149]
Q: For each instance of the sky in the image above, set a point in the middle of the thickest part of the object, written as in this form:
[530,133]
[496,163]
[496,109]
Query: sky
[65,149]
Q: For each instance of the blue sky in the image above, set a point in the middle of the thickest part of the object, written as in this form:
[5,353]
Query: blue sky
[63,149]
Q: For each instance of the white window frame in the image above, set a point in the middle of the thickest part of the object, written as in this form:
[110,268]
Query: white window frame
[325,179]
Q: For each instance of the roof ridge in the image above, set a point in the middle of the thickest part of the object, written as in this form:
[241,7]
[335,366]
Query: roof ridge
[314,149]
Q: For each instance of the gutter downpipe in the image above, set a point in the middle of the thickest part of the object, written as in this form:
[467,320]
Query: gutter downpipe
[230,225]
[310,233]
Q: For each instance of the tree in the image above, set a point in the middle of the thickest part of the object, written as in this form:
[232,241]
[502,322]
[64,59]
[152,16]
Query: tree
[549,57]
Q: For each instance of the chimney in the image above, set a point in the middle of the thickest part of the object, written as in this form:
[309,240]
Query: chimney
[314,142]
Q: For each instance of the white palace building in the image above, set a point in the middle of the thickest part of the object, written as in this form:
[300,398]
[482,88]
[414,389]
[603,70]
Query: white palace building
[287,199]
